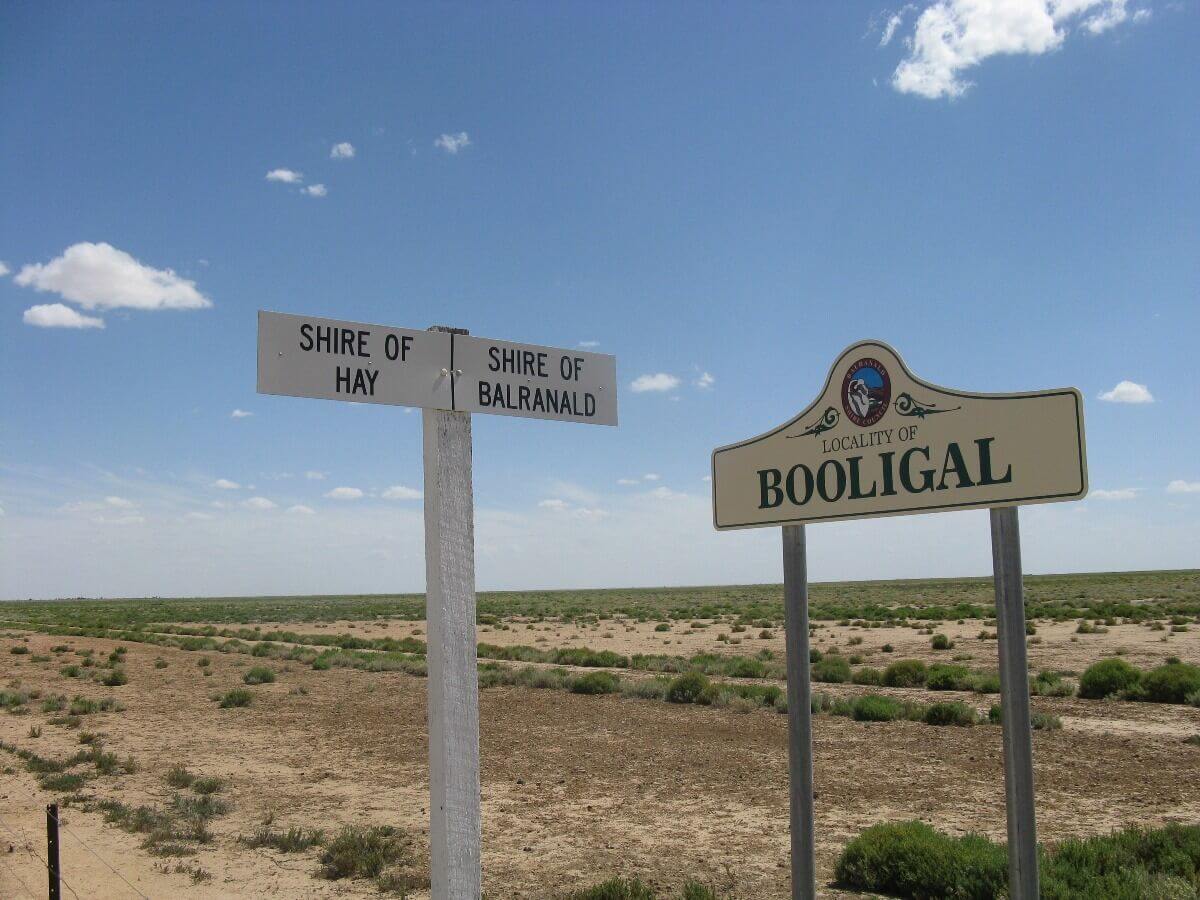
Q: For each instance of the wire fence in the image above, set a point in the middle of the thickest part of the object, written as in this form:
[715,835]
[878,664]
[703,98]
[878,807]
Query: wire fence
[51,861]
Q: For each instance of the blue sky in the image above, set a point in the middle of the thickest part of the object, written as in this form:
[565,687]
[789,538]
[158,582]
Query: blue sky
[721,196]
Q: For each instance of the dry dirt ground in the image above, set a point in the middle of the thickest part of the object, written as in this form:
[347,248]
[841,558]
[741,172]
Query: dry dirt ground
[575,788]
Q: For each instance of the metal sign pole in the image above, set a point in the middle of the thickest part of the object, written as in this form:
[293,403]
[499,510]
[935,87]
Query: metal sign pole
[1014,699]
[455,830]
[799,697]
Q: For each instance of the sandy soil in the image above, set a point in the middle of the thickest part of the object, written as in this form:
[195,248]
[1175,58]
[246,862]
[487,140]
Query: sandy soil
[575,789]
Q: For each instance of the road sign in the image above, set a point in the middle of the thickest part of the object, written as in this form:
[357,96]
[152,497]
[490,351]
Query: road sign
[878,441]
[451,375]
[305,356]
[536,382]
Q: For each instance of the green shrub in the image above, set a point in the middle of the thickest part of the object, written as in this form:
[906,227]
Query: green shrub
[293,840]
[177,776]
[1171,683]
[876,708]
[18,650]
[984,682]
[259,675]
[867,675]
[1107,677]
[363,852]
[905,673]
[115,678]
[887,648]
[236,697]
[663,626]
[945,677]
[1045,722]
[209,784]
[687,688]
[831,669]
[941,642]
[814,655]
[910,859]
[956,713]
[596,683]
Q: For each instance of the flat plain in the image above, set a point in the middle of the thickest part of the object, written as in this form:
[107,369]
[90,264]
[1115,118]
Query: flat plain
[277,746]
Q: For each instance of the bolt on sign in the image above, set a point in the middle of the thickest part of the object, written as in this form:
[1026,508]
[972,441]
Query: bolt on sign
[878,441]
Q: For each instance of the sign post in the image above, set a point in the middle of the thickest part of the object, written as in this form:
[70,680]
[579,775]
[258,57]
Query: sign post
[878,441]
[799,697]
[450,375]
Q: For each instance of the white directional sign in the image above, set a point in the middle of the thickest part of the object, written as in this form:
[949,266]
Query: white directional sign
[536,382]
[303,356]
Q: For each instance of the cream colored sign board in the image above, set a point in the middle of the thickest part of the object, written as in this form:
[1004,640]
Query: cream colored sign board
[879,441]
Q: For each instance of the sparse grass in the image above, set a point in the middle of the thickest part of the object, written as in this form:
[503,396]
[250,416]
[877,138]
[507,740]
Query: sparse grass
[179,777]
[208,784]
[259,675]
[359,852]
[114,678]
[294,840]
[236,698]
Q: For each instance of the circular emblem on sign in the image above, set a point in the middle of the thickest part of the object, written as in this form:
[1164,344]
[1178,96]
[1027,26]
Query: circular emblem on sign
[866,392]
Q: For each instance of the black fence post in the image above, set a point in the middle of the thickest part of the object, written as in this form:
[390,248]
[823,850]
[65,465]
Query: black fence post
[52,863]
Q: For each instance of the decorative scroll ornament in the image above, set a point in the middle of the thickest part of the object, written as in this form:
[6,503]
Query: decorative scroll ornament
[905,405]
[829,419]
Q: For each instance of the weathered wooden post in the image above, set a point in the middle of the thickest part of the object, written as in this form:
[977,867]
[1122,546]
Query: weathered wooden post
[878,441]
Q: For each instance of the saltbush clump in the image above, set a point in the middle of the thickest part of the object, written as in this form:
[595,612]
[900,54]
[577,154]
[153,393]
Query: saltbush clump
[905,673]
[877,708]
[1107,677]
[831,669]
[956,713]
[1171,683]
[687,688]
[596,683]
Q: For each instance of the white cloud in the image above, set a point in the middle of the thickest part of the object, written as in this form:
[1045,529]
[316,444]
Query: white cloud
[400,492]
[1115,494]
[315,190]
[285,176]
[1179,486]
[705,381]
[951,36]
[554,503]
[344,493]
[119,502]
[587,345]
[627,481]
[314,476]
[4,269]
[258,503]
[1128,392]
[707,479]
[665,493]
[659,381]
[895,20]
[119,520]
[651,476]
[240,414]
[452,143]
[101,276]
[344,150]
[301,510]
[58,315]
[225,484]
[198,517]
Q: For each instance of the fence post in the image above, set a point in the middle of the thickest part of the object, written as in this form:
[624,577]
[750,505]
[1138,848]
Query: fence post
[52,863]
